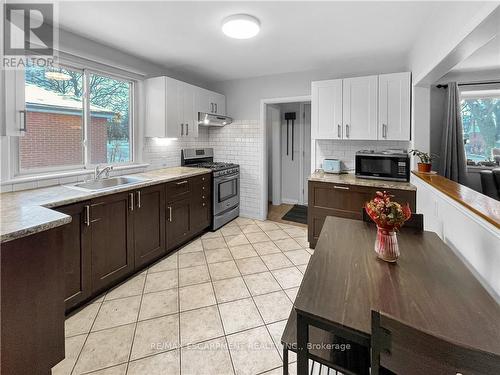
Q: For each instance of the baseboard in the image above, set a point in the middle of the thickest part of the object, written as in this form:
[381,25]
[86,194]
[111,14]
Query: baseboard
[289,201]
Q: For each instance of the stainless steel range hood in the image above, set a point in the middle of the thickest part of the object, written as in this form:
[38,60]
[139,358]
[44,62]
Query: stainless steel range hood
[208,119]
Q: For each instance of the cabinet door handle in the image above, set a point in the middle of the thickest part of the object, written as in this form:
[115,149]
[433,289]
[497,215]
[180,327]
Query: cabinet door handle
[215,107]
[23,114]
[339,131]
[347,130]
[131,201]
[87,215]
[384,130]
[212,107]
[182,130]
[169,213]
[187,129]
[138,199]
[182,182]
[340,187]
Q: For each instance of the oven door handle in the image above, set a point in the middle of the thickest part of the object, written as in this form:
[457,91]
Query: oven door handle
[227,178]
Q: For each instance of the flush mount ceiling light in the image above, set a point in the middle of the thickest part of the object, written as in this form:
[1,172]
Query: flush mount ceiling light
[241,26]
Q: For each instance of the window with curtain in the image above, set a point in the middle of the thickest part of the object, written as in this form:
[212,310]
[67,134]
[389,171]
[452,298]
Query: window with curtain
[480,107]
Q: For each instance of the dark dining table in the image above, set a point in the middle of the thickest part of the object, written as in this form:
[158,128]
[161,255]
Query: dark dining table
[429,288]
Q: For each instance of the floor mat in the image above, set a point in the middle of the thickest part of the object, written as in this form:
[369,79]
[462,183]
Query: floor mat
[297,214]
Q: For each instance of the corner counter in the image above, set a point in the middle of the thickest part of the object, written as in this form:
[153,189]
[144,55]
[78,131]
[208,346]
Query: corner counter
[351,179]
[482,205]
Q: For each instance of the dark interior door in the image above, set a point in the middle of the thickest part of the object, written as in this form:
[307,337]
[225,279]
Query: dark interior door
[76,250]
[149,224]
[178,222]
[112,240]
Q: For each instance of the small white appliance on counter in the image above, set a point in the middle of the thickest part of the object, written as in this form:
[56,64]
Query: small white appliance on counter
[332,166]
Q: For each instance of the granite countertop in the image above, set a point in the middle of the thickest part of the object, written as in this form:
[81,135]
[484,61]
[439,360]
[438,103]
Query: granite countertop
[351,179]
[29,211]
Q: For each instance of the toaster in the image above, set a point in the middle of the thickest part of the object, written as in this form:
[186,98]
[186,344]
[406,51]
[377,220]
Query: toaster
[332,166]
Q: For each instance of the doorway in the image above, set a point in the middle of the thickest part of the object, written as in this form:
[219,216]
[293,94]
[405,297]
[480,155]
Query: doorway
[288,146]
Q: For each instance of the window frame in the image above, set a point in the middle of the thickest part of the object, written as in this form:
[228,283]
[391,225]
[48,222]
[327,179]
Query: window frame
[87,166]
[479,91]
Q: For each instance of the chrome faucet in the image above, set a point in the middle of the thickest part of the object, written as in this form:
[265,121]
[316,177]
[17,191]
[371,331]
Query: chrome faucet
[99,172]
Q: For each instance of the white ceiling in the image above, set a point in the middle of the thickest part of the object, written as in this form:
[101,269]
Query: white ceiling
[485,58]
[296,36]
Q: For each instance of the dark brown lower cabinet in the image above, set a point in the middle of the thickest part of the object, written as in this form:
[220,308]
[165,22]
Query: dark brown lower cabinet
[178,222]
[76,249]
[32,303]
[113,236]
[111,239]
[329,199]
[149,225]
[201,209]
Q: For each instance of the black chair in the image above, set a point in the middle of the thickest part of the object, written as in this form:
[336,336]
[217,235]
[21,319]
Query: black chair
[402,349]
[416,221]
[490,183]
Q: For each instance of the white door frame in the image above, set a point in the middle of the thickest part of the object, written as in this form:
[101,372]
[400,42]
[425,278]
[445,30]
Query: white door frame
[263,129]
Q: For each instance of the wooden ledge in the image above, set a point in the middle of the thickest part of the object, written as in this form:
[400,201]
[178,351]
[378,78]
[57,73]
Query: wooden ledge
[482,205]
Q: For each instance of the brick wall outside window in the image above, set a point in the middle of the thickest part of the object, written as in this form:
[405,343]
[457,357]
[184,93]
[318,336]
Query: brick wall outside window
[55,139]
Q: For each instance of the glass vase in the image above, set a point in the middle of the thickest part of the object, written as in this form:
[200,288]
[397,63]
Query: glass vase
[386,245]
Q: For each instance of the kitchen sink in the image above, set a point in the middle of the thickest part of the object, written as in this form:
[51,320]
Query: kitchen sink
[107,183]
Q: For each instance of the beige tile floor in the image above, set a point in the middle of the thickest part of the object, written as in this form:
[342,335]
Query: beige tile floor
[217,306]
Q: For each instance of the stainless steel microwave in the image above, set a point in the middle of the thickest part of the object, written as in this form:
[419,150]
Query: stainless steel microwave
[383,165]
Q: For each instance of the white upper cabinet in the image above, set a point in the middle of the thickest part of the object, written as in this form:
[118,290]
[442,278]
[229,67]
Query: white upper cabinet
[359,105]
[219,103]
[326,110]
[172,107]
[394,106]
[189,118]
[362,108]
[14,120]
[210,102]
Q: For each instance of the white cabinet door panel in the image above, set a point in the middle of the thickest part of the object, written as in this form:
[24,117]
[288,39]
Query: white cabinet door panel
[394,107]
[174,106]
[189,123]
[360,108]
[326,115]
[14,121]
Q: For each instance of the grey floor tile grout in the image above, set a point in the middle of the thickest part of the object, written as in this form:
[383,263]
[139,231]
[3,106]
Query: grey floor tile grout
[267,329]
[136,322]
[86,338]
[218,311]
[101,299]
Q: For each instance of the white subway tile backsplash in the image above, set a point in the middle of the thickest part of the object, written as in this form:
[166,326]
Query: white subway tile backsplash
[346,150]
[238,143]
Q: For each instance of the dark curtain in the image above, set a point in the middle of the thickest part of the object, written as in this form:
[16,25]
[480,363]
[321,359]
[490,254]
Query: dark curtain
[452,155]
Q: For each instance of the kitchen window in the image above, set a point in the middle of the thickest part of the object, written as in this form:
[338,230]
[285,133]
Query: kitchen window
[75,119]
[480,107]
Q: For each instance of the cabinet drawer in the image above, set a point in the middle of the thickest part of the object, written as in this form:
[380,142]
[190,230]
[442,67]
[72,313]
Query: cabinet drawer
[179,189]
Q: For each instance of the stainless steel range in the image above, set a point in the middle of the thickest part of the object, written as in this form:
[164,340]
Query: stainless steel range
[226,183]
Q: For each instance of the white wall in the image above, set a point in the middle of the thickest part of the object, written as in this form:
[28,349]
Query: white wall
[243,96]
[243,99]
